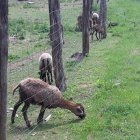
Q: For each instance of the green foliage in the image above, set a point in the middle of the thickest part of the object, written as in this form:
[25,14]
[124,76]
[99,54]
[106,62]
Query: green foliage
[26,6]
[41,28]
[17,28]
[69,28]
[122,110]
[95,8]
[38,45]
[13,57]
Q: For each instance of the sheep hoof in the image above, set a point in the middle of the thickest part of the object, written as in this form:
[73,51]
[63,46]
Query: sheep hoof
[28,124]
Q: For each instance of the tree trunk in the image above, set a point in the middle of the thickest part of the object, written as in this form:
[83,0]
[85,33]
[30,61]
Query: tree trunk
[3,66]
[103,15]
[55,35]
[91,3]
[85,30]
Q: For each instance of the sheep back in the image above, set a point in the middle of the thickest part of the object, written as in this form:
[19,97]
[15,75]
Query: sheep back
[39,92]
[45,60]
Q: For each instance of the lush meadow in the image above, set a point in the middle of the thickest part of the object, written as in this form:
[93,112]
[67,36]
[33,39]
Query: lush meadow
[106,82]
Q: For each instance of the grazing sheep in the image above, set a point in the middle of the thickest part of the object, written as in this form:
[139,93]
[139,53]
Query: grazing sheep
[45,66]
[90,24]
[98,29]
[36,91]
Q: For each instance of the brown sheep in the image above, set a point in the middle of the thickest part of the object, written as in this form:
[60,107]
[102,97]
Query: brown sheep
[80,22]
[36,91]
[98,29]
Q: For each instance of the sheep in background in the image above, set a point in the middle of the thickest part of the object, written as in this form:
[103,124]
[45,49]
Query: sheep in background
[45,67]
[80,22]
[36,91]
[95,17]
[98,29]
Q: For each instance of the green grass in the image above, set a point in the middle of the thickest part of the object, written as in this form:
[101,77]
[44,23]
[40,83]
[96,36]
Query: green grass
[106,82]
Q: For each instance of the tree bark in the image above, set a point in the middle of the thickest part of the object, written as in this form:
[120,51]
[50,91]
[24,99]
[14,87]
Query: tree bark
[91,3]
[103,15]
[56,41]
[3,66]
[85,30]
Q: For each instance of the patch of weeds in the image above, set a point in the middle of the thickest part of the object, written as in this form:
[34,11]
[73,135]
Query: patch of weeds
[26,6]
[116,33]
[21,35]
[95,7]
[36,28]
[136,79]
[41,28]
[13,57]
[38,46]
[77,29]
[69,28]
[41,37]
[17,28]
[122,110]
[70,65]
[27,52]
[138,71]
[107,85]
[65,1]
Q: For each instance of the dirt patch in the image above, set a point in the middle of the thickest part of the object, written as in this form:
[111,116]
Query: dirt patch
[25,60]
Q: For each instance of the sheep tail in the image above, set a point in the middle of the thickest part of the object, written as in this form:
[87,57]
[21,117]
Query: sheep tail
[16,88]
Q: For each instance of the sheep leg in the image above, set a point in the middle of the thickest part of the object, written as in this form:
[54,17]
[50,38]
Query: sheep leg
[48,75]
[43,76]
[41,114]
[45,80]
[51,77]
[100,36]
[24,111]
[96,36]
[92,34]
[16,106]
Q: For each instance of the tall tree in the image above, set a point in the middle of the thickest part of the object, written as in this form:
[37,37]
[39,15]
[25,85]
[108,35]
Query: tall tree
[3,65]
[103,15]
[85,30]
[56,39]
[91,3]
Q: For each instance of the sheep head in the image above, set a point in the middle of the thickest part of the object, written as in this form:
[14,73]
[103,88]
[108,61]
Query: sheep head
[79,111]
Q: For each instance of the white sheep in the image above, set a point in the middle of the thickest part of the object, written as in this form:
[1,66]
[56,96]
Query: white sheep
[95,17]
[45,67]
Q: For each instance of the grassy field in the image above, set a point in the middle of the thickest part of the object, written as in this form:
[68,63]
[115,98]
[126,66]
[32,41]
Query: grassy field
[106,82]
